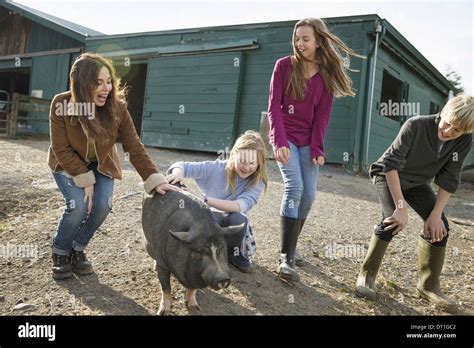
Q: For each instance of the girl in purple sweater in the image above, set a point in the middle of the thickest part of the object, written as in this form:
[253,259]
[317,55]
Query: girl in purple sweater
[300,102]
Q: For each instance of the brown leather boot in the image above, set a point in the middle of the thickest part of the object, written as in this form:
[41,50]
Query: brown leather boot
[80,263]
[61,266]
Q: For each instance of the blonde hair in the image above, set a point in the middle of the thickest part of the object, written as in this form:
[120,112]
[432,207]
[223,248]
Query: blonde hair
[250,140]
[328,57]
[460,112]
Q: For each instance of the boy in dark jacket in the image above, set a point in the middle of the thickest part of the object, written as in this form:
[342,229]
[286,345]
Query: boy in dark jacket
[426,147]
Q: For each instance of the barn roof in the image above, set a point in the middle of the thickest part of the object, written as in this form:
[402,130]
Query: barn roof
[75,31]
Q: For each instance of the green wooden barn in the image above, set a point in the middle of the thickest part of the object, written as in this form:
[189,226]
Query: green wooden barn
[198,89]
[36,53]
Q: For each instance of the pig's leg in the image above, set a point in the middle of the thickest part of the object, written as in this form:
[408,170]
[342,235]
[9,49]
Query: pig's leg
[190,300]
[164,278]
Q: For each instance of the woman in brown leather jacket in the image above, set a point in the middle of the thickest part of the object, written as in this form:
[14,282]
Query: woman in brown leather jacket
[84,125]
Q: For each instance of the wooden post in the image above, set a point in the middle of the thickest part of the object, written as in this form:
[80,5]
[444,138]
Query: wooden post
[13,116]
[264,128]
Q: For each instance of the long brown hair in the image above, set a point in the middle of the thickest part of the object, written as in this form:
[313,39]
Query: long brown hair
[83,81]
[250,140]
[328,57]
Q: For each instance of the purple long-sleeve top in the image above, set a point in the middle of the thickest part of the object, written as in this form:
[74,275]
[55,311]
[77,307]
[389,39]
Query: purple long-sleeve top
[303,122]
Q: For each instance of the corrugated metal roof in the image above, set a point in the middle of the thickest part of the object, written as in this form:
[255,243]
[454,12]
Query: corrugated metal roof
[70,29]
[417,54]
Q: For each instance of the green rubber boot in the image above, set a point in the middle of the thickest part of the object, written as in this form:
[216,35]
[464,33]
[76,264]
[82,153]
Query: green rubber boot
[430,265]
[365,286]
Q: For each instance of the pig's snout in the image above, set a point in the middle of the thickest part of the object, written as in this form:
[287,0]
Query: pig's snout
[220,283]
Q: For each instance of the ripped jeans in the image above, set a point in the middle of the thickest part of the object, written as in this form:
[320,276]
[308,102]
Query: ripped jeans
[76,227]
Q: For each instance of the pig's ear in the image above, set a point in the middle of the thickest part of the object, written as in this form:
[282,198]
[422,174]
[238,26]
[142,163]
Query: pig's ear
[186,237]
[230,230]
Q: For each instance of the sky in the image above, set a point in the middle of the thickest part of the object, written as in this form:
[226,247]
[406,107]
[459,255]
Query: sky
[443,31]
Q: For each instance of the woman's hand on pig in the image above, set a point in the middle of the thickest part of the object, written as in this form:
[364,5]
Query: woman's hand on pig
[162,188]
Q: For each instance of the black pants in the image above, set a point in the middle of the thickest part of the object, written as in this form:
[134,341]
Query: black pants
[421,198]
[235,240]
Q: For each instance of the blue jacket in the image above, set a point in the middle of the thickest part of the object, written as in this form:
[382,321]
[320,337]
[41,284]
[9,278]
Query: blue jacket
[211,178]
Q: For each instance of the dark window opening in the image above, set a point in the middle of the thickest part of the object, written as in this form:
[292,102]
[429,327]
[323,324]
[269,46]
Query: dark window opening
[134,78]
[393,98]
[13,81]
[434,108]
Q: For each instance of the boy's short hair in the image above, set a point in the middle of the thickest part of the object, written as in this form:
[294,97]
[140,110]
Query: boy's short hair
[460,112]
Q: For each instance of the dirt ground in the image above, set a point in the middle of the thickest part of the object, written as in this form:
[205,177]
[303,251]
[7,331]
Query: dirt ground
[334,242]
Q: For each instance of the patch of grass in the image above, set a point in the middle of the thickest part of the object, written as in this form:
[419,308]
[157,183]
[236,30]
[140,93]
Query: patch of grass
[365,301]
[392,284]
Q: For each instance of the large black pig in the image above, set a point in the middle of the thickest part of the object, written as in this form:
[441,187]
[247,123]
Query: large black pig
[184,240]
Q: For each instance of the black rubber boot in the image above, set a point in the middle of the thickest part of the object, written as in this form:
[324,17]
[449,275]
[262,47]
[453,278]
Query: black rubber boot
[61,266]
[299,260]
[80,264]
[290,229]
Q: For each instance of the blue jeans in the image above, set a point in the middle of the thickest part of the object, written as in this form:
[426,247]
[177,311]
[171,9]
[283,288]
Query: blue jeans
[234,242]
[76,227]
[300,177]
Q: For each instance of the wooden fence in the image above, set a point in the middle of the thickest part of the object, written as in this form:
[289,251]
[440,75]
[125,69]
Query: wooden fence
[24,111]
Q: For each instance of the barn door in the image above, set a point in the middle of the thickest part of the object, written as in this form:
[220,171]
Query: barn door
[49,77]
[191,101]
